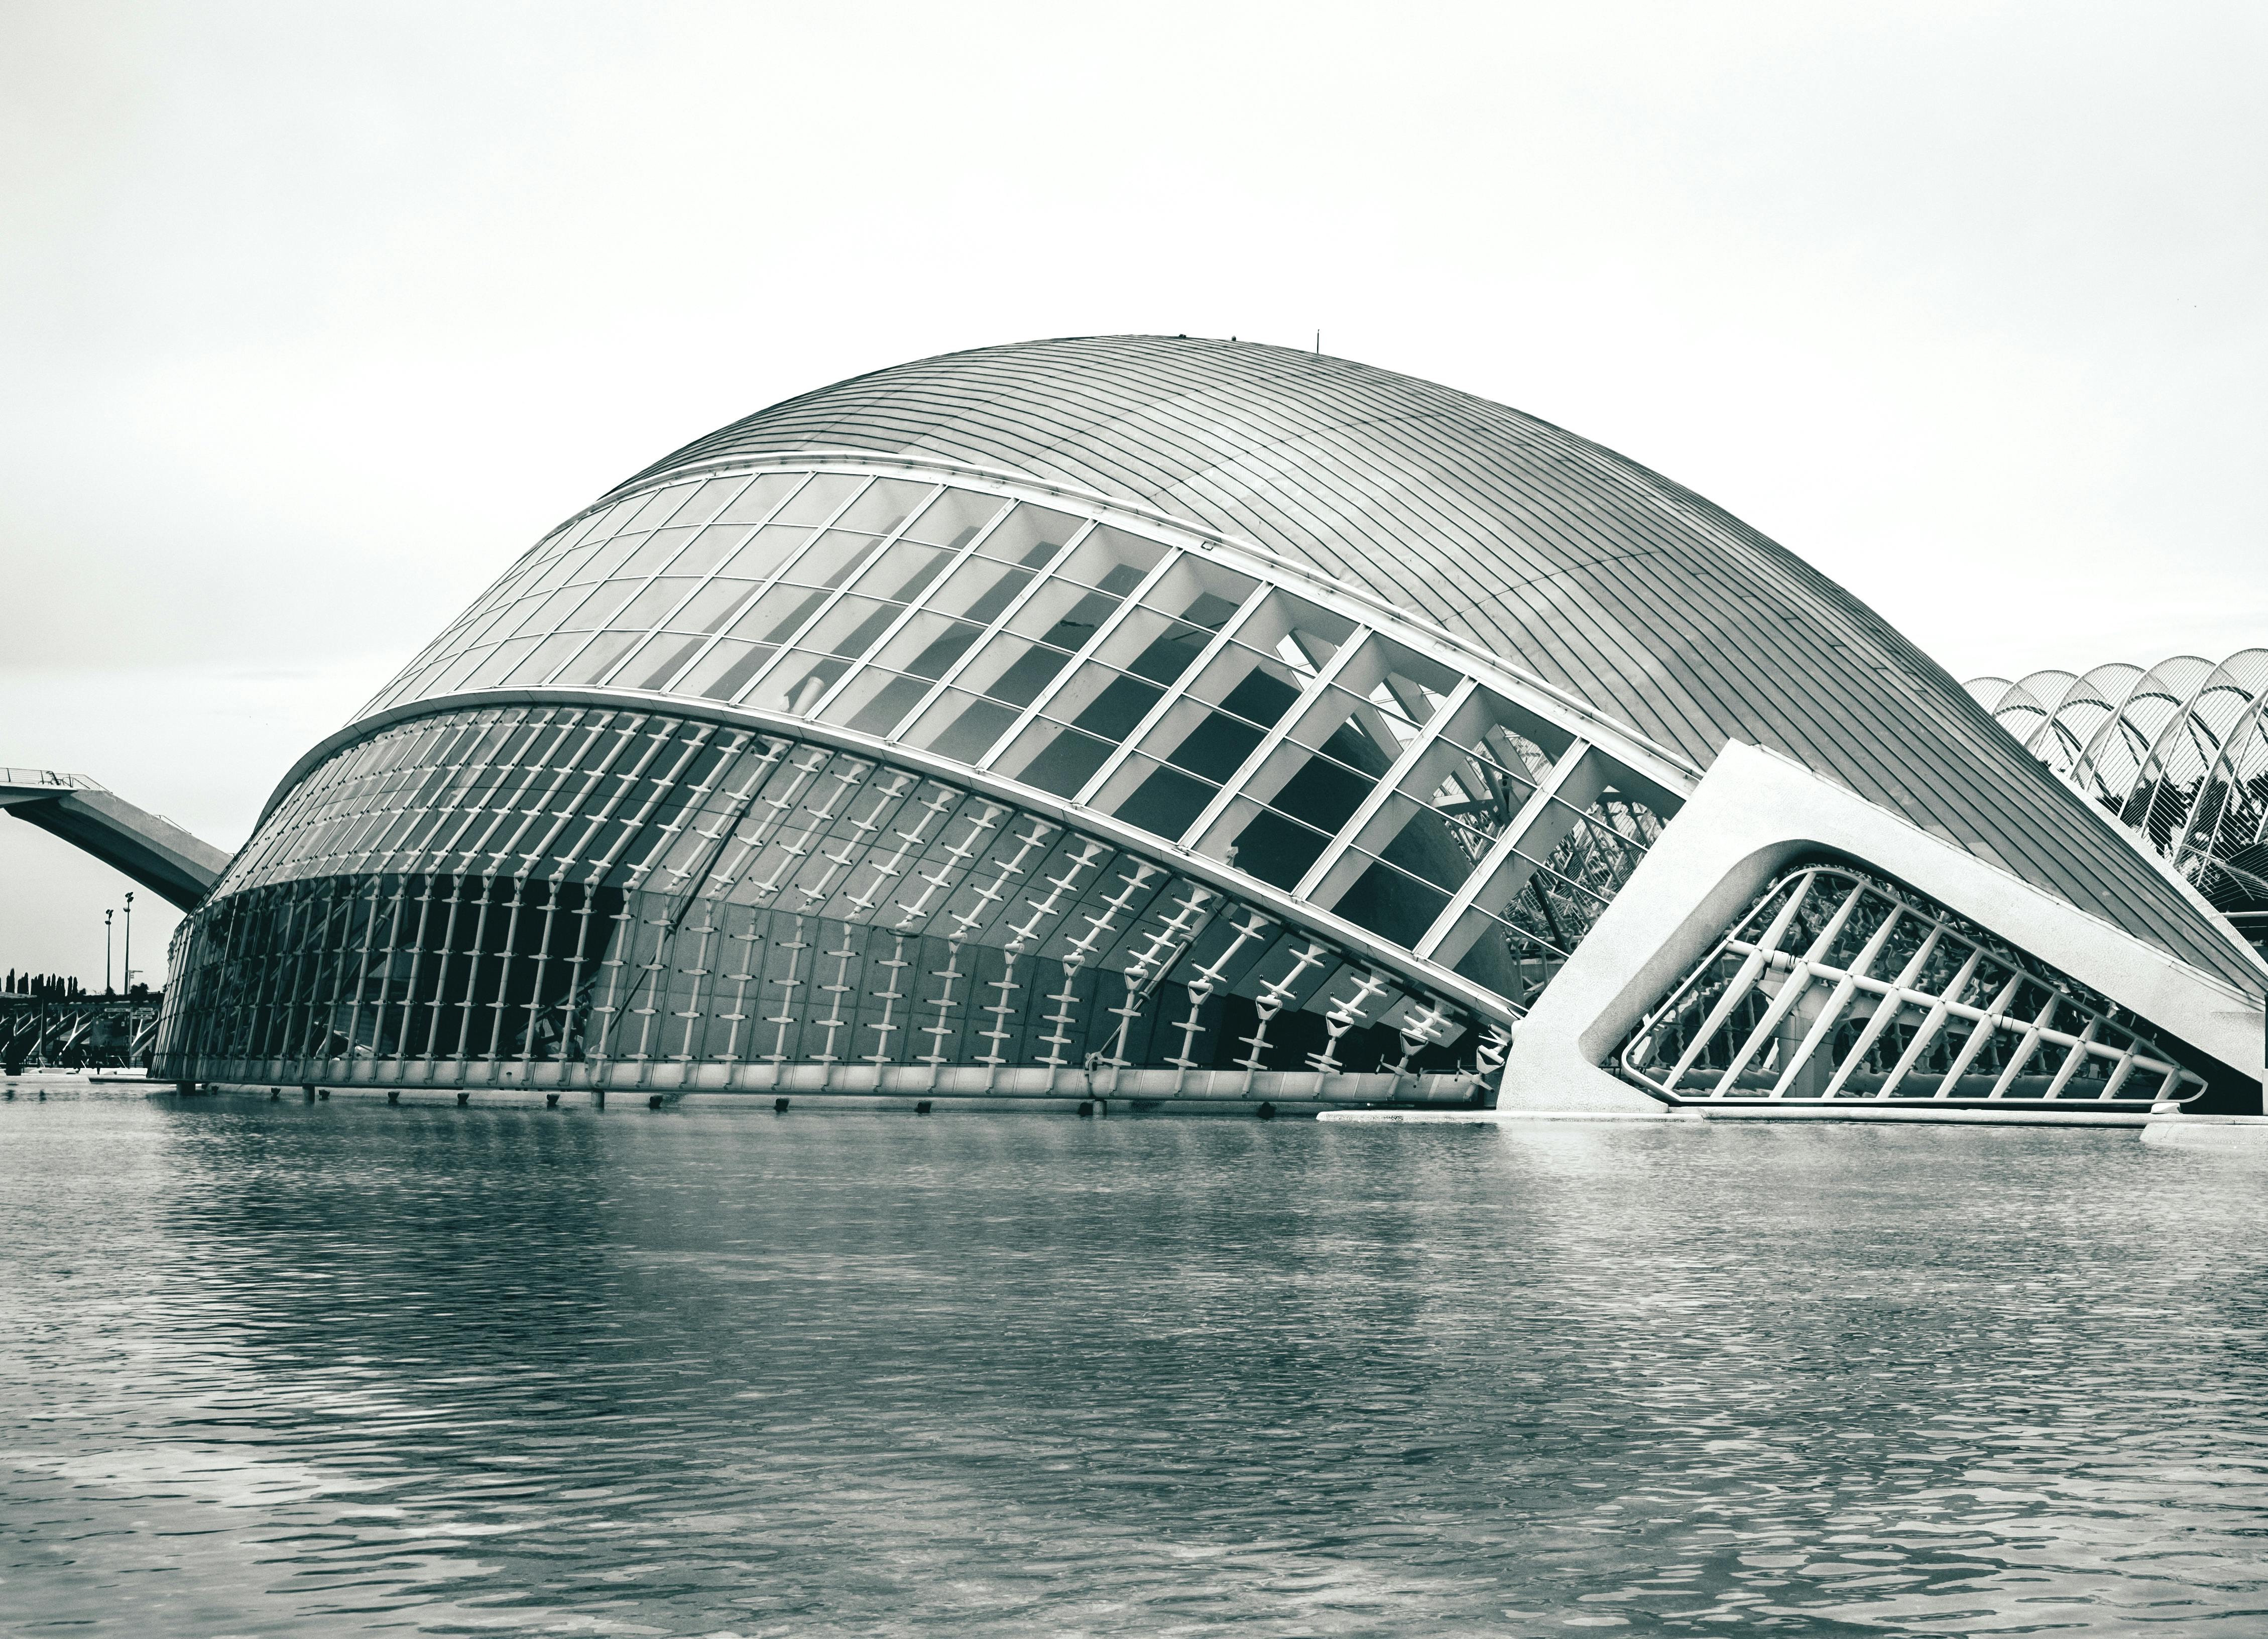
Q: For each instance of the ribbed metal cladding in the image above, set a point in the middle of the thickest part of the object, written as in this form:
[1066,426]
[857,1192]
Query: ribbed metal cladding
[1560,556]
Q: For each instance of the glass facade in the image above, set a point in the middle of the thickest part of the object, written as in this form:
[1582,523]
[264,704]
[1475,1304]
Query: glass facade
[783,876]
[1141,675]
[572,895]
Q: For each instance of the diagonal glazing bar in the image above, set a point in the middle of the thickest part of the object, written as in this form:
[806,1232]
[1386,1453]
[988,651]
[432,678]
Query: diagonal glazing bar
[1549,813]
[1173,696]
[1388,783]
[1193,835]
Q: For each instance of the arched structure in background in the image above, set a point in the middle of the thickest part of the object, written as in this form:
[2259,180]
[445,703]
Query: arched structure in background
[1172,718]
[2177,752]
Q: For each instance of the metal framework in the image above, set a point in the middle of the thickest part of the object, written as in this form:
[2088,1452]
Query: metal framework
[2177,753]
[79,1032]
[821,699]
[1835,985]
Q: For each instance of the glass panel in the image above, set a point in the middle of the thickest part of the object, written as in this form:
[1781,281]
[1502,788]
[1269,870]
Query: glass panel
[979,591]
[1165,801]
[595,662]
[545,657]
[652,603]
[660,661]
[776,614]
[1030,536]
[660,548]
[1394,904]
[765,553]
[960,726]
[829,560]
[725,669]
[1278,849]
[797,684]
[883,505]
[1065,761]
[709,548]
[710,499]
[850,627]
[904,572]
[754,504]
[660,505]
[607,561]
[709,608]
[953,518]
[817,501]
[1105,557]
[928,644]
[497,662]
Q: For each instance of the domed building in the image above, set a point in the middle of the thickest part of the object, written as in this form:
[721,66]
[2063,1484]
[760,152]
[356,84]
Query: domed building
[1162,717]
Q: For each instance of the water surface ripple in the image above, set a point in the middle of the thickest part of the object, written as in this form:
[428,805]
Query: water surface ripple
[277,1368]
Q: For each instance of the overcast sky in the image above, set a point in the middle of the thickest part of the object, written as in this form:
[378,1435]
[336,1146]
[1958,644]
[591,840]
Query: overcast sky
[312,316]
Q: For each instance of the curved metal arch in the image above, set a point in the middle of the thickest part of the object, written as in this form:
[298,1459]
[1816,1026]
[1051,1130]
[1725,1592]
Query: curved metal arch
[2193,739]
[2172,779]
[2113,760]
[2082,707]
[2241,765]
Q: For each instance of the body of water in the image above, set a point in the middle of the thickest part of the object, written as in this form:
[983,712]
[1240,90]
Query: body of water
[343,1369]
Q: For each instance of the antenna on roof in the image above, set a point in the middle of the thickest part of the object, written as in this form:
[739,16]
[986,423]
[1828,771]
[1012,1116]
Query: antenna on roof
[1319,344]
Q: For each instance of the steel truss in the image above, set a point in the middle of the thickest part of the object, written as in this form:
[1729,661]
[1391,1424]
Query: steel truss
[1836,985]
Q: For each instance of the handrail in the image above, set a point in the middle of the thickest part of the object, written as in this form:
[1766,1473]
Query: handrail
[50,778]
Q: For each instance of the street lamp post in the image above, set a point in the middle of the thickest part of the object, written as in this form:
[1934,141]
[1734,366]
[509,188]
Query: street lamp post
[129,944]
[107,915]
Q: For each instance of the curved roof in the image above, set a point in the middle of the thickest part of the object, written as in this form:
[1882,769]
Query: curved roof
[1558,555]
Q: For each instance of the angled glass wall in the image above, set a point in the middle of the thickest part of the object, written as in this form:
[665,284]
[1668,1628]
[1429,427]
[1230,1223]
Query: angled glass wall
[462,887]
[1837,986]
[586,896]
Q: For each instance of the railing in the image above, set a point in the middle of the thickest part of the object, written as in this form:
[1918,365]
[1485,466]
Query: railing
[48,777]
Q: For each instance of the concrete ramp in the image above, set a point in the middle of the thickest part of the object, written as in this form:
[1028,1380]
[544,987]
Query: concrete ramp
[153,851]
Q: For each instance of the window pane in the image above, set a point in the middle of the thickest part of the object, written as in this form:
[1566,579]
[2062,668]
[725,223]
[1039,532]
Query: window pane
[953,518]
[754,504]
[817,501]
[884,506]
[594,663]
[904,572]
[725,670]
[1030,536]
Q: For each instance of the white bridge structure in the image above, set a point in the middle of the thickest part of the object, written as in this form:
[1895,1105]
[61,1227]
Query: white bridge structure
[148,848]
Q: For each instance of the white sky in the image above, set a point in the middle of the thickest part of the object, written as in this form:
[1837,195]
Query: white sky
[312,316]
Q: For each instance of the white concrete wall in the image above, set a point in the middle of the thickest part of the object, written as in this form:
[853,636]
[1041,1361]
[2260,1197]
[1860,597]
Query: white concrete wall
[1755,812]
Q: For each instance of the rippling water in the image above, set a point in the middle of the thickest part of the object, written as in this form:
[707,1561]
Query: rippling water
[274,1368]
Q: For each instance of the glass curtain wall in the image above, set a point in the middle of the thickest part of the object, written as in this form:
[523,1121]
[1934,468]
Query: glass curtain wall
[1138,674]
[573,896]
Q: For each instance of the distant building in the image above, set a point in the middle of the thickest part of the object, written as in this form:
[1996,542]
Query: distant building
[1155,717]
[2177,752]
